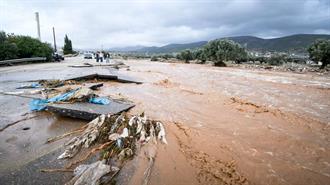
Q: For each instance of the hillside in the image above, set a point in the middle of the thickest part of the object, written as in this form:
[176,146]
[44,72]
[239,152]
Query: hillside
[172,47]
[289,43]
[297,43]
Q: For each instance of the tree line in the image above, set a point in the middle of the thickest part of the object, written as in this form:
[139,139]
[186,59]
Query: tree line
[19,46]
[221,50]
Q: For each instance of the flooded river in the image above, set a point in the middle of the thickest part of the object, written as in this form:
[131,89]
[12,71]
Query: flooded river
[224,125]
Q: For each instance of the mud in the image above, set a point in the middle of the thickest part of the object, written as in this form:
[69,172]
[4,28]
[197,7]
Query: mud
[224,125]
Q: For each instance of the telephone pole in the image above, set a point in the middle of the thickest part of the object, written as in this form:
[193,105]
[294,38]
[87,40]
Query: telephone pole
[55,49]
[38,25]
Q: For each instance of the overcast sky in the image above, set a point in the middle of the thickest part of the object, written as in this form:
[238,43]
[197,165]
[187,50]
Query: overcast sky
[118,23]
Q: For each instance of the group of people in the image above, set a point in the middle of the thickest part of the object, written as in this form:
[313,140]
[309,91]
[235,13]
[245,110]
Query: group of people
[102,55]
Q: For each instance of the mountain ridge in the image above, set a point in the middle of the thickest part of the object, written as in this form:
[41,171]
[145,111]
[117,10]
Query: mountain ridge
[295,43]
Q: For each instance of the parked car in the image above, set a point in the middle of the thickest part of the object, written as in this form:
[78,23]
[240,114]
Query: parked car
[88,55]
[57,57]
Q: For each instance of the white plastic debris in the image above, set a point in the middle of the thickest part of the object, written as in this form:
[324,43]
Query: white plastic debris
[91,174]
[114,137]
[125,133]
[161,133]
[132,121]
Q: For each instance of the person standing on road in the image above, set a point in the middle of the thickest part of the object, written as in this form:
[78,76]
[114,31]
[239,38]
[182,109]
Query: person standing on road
[97,56]
[101,56]
[107,57]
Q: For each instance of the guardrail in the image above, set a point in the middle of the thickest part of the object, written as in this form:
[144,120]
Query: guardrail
[21,60]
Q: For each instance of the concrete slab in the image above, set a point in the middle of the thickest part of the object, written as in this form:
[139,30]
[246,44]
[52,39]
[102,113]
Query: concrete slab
[121,79]
[88,111]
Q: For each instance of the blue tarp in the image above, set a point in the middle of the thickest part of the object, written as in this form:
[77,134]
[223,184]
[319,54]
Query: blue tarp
[99,100]
[33,85]
[40,104]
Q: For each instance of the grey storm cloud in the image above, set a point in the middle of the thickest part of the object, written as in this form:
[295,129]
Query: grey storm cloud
[92,24]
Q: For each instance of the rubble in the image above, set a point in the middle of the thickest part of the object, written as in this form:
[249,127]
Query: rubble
[120,136]
[90,134]
[89,111]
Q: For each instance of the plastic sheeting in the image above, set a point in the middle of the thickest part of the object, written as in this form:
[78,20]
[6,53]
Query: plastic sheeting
[99,100]
[31,86]
[79,93]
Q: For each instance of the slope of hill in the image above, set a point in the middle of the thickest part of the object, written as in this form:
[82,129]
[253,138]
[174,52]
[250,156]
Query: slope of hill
[297,43]
[173,47]
[289,43]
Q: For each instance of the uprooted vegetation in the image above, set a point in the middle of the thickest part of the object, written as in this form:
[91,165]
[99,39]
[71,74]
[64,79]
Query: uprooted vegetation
[119,138]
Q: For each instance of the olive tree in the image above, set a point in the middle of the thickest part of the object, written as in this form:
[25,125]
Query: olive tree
[199,55]
[219,51]
[319,51]
[185,55]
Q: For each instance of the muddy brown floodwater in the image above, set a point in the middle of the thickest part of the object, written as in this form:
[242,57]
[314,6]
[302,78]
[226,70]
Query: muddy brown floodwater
[224,125]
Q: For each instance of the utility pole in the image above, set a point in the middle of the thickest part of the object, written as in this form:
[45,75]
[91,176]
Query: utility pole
[38,25]
[55,49]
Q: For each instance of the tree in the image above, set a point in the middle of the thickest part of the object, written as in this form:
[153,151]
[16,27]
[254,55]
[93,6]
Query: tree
[199,55]
[185,55]
[7,50]
[219,51]
[319,51]
[67,49]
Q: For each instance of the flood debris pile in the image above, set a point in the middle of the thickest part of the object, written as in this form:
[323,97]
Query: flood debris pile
[119,137]
[47,84]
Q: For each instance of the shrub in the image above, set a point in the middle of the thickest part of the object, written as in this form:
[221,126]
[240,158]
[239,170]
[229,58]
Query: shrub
[185,55]
[154,58]
[276,60]
[199,55]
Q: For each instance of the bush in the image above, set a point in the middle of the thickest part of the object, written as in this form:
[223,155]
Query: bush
[167,56]
[16,46]
[185,55]
[276,60]
[154,58]
[199,55]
